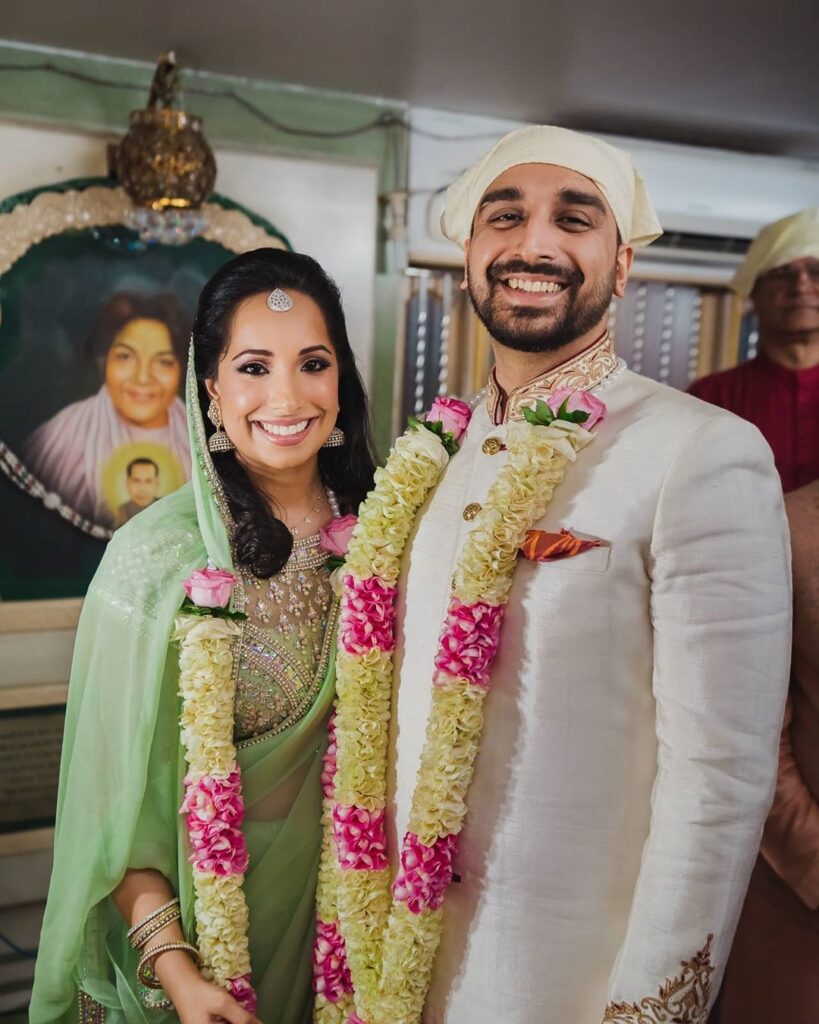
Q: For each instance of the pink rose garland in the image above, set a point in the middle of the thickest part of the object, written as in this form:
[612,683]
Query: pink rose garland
[469,642]
[367,615]
[425,872]
[360,838]
[331,975]
[242,992]
[466,651]
[328,764]
[214,813]
[213,805]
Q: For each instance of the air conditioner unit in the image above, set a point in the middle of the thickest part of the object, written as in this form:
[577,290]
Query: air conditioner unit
[710,201]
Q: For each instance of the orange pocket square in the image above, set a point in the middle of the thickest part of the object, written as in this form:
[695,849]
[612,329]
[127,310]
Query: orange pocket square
[541,546]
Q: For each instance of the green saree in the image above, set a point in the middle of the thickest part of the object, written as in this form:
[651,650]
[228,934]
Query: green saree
[122,770]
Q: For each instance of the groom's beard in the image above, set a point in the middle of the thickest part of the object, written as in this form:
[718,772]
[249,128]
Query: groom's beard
[534,329]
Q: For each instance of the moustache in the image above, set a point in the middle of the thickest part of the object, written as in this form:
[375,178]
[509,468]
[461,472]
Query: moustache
[565,275]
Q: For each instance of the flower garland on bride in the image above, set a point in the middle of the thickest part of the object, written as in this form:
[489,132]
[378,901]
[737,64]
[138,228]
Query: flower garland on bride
[213,807]
[206,631]
[375,942]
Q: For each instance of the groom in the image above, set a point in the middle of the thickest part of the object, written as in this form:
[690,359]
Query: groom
[629,752]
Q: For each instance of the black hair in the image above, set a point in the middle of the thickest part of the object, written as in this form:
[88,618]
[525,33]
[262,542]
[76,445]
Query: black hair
[261,542]
[123,307]
[142,460]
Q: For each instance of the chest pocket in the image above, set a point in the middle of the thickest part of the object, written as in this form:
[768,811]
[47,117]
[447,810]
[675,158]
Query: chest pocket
[575,579]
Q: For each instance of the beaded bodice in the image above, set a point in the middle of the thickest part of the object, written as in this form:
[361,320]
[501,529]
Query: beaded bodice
[285,644]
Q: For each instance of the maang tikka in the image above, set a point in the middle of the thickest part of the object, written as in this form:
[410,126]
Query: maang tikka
[279,301]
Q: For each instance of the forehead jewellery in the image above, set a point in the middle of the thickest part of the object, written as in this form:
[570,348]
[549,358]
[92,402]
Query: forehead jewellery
[279,301]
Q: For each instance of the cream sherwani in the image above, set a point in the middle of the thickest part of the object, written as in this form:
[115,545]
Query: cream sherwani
[630,747]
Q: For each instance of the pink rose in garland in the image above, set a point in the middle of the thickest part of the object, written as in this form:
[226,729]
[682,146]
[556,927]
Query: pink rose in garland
[331,975]
[361,842]
[210,588]
[578,401]
[335,536]
[242,992]
[425,872]
[367,615]
[328,764]
[209,797]
[453,415]
[468,642]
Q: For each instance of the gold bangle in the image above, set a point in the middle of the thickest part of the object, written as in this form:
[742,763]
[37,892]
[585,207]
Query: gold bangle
[153,914]
[145,932]
[145,969]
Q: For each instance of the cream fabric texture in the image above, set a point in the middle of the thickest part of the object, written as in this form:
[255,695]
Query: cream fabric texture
[632,726]
[612,171]
[786,240]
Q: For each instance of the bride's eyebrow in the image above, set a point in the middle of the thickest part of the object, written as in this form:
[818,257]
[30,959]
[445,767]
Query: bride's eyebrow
[253,352]
[269,354]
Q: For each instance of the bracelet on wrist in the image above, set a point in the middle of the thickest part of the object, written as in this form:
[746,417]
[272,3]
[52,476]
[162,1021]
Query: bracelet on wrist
[143,931]
[146,974]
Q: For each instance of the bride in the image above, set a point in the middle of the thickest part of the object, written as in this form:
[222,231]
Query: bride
[281,448]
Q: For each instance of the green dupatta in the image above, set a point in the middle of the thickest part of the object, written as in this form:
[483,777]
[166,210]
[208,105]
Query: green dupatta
[122,768]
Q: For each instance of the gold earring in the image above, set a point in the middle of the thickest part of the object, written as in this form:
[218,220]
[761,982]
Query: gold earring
[219,441]
[335,439]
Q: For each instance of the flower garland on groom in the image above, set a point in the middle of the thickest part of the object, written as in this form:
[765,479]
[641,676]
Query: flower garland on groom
[374,955]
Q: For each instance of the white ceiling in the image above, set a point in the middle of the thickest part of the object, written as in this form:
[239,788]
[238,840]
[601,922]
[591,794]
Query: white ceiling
[725,73]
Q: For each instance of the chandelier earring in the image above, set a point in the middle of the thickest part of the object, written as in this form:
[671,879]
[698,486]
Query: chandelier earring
[218,442]
[335,439]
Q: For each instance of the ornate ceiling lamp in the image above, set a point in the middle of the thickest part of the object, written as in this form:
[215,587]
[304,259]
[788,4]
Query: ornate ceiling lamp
[165,164]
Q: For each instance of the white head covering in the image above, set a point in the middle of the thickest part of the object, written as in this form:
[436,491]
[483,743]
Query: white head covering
[611,170]
[786,240]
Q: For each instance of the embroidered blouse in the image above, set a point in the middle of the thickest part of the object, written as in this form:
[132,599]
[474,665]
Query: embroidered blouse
[285,643]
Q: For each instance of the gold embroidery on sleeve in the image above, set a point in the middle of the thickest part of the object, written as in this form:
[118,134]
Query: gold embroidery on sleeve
[683,999]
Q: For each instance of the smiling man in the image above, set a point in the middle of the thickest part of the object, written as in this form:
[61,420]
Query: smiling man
[778,391]
[629,750]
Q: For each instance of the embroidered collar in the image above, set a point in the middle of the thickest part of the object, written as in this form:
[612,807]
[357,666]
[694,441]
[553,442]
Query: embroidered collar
[582,371]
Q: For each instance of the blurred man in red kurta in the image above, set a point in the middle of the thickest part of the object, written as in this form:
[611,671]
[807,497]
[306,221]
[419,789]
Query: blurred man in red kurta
[778,391]
[773,972]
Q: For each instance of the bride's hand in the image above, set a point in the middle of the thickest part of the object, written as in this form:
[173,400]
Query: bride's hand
[199,1002]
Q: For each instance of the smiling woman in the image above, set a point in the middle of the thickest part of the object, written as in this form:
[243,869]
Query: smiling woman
[138,342]
[125,908]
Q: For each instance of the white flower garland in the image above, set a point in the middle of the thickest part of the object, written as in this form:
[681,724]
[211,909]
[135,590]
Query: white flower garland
[374,953]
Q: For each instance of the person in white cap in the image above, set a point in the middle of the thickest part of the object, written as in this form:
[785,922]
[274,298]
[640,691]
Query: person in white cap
[773,971]
[629,750]
[778,391]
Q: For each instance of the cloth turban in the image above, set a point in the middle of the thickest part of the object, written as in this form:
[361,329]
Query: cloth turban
[786,240]
[611,170]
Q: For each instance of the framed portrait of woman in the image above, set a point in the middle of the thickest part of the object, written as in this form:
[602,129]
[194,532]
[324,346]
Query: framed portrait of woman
[94,330]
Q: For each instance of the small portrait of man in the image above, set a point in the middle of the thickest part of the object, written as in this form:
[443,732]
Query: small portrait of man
[142,484]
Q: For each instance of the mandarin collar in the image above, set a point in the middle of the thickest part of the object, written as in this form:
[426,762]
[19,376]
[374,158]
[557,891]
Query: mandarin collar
[583,371]
[809,376]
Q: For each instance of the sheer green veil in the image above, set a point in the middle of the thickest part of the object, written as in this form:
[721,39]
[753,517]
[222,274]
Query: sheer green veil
[121,759]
